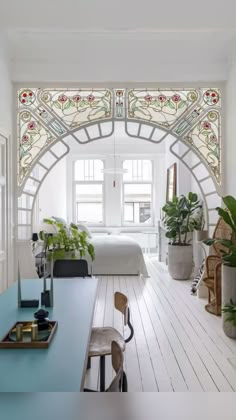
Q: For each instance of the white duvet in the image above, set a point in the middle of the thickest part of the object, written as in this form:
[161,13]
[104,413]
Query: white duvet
[117,255]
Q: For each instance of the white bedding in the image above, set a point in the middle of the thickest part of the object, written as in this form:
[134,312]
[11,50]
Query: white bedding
[117,255]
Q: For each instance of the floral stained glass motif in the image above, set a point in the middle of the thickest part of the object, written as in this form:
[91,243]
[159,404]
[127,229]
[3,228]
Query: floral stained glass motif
[76,108]
[119,103]
[46,114]
[34,136]
[162,107]
[205,138]
[192,115]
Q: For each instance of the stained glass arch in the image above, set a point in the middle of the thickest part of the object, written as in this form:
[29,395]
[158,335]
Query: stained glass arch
[47,118]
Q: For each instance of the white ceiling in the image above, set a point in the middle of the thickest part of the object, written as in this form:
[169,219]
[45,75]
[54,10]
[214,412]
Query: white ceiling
[107,15]
[107,41]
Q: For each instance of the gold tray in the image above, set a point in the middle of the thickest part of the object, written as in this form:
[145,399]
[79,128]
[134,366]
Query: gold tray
[43,342]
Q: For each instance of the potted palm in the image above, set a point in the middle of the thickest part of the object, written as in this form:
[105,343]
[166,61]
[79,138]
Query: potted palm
[228,252]
[179,222]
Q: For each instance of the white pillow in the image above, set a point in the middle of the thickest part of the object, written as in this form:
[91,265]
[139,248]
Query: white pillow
[64,222]
[84,228]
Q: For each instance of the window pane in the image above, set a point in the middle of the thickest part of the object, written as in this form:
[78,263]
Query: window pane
[138,170]
[89,170]
[89,203]
[90,213]
[129,212]
[139,198]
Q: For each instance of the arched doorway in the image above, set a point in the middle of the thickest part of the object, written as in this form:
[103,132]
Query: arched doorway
[48,118]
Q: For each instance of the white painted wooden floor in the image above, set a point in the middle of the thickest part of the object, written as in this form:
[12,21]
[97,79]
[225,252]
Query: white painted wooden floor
[177,345]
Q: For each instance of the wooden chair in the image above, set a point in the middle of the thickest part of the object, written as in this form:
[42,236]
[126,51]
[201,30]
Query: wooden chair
[102,337]
[212,276]
[116,384]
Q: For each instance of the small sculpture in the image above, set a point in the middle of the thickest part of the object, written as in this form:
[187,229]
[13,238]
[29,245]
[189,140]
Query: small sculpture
[41,317]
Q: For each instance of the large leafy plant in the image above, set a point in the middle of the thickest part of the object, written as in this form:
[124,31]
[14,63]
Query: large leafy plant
[66,239]
[180,217]
[230,309]
[229,245]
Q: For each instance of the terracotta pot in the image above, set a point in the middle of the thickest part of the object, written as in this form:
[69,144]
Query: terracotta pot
[228,296]
[180,261]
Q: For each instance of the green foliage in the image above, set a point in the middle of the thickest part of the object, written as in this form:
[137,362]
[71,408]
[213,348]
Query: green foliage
[231,310]
[197,222]
[229,216]
[180,217]
[65,240]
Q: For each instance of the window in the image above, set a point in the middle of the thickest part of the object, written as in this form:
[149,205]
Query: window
[88,191]
[137,192]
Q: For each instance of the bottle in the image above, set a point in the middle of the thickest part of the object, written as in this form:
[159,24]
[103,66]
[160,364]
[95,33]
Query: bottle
[34,332]
[19,332]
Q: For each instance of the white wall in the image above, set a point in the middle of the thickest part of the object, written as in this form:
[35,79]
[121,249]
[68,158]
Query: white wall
[52,195]
[6,126]
[229,140]
[5,88]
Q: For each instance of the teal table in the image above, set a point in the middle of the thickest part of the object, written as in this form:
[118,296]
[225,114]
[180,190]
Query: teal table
[62,366]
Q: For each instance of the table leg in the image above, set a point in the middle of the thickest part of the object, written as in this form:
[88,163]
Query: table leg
[102,373]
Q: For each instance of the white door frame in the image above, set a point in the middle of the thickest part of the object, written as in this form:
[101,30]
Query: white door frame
[4,222]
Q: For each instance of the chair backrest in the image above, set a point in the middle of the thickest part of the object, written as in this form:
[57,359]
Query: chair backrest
[70,268]
[222,231]
[117,364]
[26,260]
[122,304]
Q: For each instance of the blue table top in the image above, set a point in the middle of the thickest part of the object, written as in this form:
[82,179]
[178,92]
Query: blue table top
[61,367]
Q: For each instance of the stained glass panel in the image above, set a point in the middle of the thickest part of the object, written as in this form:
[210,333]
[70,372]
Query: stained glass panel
[34,137]
[205,138]
[47,114]
[191,115]
[162,107]
[77,107]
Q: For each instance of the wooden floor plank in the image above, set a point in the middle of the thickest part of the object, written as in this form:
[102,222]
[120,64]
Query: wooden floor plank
[132,367]
[198,361]
[147,375]
[216,363]
[210,322]
[177,345]
[159,367]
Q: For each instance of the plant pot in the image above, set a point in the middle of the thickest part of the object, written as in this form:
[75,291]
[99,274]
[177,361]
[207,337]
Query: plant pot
[200,235]
[180,261]
[228,295]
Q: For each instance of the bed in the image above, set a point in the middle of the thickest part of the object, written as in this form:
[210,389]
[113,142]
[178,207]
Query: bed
[114,254]
[117,255]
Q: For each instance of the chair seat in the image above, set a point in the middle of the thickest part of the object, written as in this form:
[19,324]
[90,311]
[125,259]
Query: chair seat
[101,339]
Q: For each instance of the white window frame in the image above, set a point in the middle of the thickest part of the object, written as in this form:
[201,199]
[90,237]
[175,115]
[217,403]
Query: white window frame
[75,183]
[125,224]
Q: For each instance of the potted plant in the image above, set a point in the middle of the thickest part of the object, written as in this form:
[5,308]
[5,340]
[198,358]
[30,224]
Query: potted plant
[198,224]
[66,242]
[179,221]
[228,252]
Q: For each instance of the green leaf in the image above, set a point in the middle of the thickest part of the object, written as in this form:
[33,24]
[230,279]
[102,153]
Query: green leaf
[67,105]
[170,104]
[181,104]
[230,203]
[57,104]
